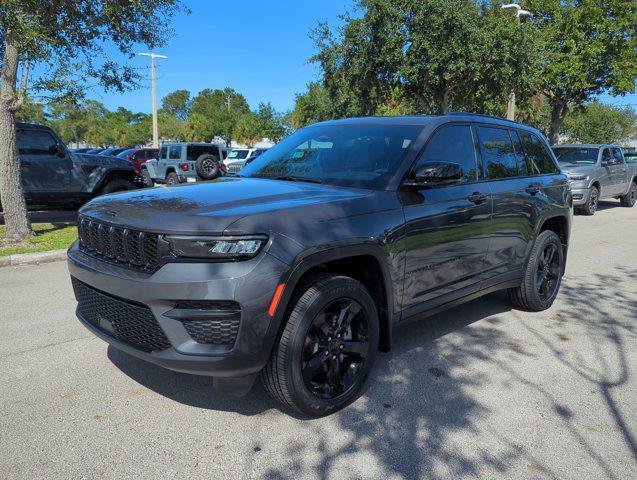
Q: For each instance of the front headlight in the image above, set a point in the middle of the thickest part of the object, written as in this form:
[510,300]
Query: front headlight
[216,247]
[577,178]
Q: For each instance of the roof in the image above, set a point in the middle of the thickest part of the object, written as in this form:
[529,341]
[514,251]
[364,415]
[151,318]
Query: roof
[424,120]
[585,145]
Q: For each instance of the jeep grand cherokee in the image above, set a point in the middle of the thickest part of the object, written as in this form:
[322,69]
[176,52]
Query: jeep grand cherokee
[298,268]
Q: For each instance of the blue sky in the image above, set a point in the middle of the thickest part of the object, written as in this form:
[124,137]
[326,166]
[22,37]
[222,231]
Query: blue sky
[259,48]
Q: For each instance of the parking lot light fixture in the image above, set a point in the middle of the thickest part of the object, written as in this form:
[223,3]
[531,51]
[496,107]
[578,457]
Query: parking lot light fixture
[519,13]
[153,56]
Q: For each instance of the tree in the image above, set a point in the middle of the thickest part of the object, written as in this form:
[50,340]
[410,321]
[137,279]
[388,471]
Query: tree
[31,112]
[51,33]
[271,123]
[71,119]
[599,123]
[587,47]
[312,106]
[248,129]
[215,113]
[177,104]
[457,54]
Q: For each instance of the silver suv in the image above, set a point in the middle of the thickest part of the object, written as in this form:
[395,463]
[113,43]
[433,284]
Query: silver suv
[597,171]
[188,162]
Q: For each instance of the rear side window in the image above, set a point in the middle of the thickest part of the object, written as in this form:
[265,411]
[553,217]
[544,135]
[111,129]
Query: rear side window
[498,152]
[523,166]
[536,155]
[193,152]
[35,142]
[174,153]
[617,153]
[163,152]
[453,145]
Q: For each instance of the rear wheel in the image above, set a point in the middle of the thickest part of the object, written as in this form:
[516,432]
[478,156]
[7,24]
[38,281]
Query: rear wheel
[117,185]
[542,276]
[327,347]
[630,198]
[172,179]
[590,207]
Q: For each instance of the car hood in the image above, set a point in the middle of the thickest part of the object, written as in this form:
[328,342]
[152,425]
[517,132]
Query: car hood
[212,207]
[578,169]
[105,160]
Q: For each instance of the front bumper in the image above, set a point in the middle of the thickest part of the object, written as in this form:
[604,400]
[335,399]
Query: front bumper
[580,194]
[250,283]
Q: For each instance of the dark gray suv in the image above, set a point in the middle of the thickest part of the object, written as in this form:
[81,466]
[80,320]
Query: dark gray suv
[56,177]
[298,268]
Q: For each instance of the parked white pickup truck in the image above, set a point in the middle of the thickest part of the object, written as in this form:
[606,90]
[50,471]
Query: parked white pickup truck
[185,162]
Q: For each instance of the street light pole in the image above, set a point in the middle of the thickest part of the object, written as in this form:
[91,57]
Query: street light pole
[519,12]
[153,56]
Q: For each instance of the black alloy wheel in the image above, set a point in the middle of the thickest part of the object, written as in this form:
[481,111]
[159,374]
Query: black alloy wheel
[549,269]
[335,349]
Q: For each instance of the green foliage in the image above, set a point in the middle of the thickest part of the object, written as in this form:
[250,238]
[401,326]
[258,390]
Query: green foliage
[401,56]
[31,112]
[215,113]
[177,104]
[587,47]
[599,123]
[248,129]
[270,123]
[312,106]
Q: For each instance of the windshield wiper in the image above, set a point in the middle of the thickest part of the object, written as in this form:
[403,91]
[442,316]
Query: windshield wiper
[296,179]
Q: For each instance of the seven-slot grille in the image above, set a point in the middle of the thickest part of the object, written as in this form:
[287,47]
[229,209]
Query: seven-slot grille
[122,245]
[127,321]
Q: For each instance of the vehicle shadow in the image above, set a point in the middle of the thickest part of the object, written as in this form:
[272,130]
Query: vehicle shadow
[198,391]
[61,217]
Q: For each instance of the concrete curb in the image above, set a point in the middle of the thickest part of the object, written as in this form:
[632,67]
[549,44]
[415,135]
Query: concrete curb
[33,258]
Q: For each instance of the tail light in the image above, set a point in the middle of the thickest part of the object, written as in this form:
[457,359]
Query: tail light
[224,167]
[184,166]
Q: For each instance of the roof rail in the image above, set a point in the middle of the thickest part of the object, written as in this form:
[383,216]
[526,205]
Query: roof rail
[471,114]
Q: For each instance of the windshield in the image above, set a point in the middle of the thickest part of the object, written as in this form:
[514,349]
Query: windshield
[576,155]
[363,156]
[238,154]
[126,152]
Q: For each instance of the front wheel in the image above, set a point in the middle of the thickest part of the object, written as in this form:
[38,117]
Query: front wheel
[327,347]
[590,207]
[630,198]
[542,275]
[117,185]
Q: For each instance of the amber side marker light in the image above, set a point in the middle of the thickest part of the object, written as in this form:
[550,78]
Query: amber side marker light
[275,299]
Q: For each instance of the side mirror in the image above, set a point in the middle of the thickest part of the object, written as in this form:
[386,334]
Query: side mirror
[57,149]
[435,174]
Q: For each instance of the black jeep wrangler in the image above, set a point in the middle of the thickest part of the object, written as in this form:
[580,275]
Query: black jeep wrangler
[53,176]
[298,268]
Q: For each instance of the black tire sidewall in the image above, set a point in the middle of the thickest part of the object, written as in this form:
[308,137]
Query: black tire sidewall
[587,208]
[201,172]
[544,239]
[302,397]
[172,175]
[117,185]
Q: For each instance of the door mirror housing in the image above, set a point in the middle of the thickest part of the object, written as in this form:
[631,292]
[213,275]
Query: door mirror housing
[435,174]
[57,149]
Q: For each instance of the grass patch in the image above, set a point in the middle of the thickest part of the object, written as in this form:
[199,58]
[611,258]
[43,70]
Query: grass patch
[48,236]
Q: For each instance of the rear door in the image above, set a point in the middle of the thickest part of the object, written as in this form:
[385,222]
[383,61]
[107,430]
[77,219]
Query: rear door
[447,228]
[43,170]
[514,198]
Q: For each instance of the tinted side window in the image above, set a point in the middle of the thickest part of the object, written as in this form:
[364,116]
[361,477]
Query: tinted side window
[453,145]
[538,159]
[35,142]
[523,165]
[617,153]
[606,156]
[193,152]
[163,152]
[498,152]
[175,152]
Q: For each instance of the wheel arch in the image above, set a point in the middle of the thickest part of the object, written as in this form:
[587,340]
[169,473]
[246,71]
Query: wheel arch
[364,264]
[114,174]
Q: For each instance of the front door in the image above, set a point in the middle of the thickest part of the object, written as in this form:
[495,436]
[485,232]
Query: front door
[606,179]
[43,170]
[447,228]
[620,172]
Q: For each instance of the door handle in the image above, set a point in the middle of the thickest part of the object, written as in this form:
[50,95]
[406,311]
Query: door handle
[477,197]
[532,189]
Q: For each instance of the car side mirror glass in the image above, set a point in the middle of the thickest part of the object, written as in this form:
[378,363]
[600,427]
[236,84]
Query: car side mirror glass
[435,174]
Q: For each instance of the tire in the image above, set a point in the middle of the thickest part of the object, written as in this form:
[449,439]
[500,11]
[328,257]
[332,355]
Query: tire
[283,376]
[117,185]
[146,180]
[592,202]
[207,167]
[172,179]
[528,295]
[630,198]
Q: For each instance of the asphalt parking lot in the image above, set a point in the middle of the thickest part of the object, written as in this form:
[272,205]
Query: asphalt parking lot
[481,391]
